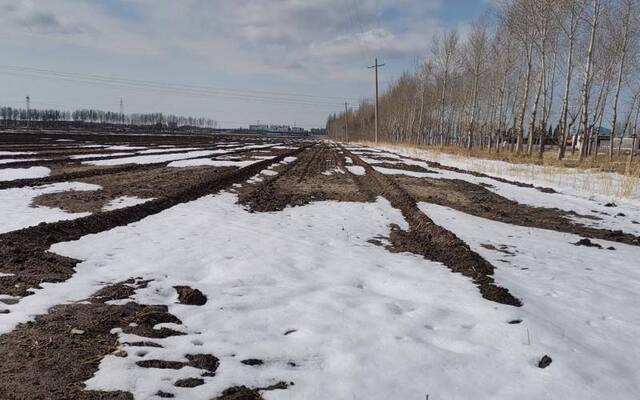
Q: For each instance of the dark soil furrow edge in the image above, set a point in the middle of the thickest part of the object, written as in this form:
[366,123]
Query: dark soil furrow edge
[431,240]
[57,161]
[18,183]
[30,245]
[434,164]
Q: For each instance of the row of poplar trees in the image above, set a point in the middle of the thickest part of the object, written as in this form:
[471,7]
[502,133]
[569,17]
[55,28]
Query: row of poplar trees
[535,73]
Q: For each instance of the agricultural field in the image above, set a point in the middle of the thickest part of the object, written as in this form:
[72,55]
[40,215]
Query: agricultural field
[229,267]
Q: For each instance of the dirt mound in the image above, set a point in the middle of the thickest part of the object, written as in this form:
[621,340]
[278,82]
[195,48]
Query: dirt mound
[187,295]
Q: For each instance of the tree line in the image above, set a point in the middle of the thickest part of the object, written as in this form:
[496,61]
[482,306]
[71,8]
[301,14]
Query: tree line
[538,72]
[11,117]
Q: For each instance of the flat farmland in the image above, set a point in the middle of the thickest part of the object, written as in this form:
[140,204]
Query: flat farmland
[250,267]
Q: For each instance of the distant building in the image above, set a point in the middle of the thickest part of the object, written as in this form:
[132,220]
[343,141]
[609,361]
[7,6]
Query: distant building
[280,128]
[258,128]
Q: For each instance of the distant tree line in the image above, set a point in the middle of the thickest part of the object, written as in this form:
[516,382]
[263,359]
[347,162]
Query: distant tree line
[11,116]
[541,72]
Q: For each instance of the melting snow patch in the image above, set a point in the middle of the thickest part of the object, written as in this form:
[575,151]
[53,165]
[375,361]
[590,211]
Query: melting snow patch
[124,202]
[16,211]
[212,163]
[152,159]
[356,169]
[15,153]
[336,170]
[10,174]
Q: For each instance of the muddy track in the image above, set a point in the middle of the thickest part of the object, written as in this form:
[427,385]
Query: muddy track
[96,171]
[304,182]
[24,253]
[432,241]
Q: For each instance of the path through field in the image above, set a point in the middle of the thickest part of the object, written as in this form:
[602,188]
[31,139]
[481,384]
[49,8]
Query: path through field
[221,267]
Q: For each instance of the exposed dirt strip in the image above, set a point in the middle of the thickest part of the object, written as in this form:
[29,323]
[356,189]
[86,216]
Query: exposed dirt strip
[312,178]
[51,357]
[479,201]
[24,253]
[305,182]
[57,161]
[432,241]
[433,164]
[81,171]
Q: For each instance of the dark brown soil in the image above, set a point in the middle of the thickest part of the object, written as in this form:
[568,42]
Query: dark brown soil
[437,165]
[187,295]
[189,382]
[303,182]
[432,241]
[74,170]
[152,183]
[24,252]
[479,201]
[45,359]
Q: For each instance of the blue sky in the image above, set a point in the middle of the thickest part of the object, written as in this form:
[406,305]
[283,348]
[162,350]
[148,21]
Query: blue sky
[263,53]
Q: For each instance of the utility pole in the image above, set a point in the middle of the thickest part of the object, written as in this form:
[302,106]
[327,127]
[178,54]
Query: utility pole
[28,111]
[377,109]
[346,123]
[121,111]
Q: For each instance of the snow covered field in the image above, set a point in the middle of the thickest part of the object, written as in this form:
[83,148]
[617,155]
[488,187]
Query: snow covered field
[317,292]
[584,183]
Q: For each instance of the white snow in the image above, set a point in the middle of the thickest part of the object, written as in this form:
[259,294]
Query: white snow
[96,155]
[289,160]
[124,202]
[10,174]
[15,153]
[369,324]
[167,150]
[594,207]
[580,303]
[584,183]
[356,169]
[154,158]
[336,170]
[393,171]
[10,160]
[16,211]
[211,163]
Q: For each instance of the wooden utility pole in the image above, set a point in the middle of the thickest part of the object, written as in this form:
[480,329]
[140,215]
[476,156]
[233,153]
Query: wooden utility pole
[377,108]
[28,111]
[346,123]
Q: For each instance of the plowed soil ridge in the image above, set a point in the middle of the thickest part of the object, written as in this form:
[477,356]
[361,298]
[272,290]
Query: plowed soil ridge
[305,181]
[64,177]
[24,252]
[430,240]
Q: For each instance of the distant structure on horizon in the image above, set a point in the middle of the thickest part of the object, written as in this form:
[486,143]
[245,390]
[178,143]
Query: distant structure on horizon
[284,129]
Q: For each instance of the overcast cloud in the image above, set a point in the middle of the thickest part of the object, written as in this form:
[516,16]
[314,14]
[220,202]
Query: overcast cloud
[319,47]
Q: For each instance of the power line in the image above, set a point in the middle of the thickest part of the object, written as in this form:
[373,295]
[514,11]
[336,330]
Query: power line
[181,88]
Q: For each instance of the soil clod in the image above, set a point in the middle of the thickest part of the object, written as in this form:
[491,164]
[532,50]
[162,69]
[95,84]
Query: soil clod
[587,243]
[189,382]
[545,361]
[190,296]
